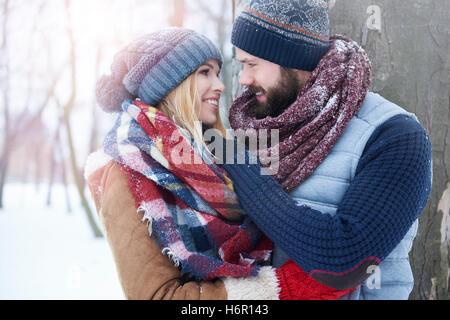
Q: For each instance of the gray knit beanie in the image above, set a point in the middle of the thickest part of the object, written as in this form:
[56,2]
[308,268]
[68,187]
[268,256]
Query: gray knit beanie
[152,65]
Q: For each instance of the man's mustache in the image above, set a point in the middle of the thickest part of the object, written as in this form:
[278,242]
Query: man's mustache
[256,89]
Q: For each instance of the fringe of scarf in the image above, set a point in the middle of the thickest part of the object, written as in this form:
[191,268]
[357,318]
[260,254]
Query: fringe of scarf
[191,208]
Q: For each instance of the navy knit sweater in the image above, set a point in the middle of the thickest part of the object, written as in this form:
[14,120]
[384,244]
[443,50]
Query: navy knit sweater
[388,193]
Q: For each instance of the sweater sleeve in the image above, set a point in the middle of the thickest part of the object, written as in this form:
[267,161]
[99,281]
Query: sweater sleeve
[388,193]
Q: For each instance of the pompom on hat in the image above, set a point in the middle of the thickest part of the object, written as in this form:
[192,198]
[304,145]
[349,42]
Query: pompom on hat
[152,65]
[291,33]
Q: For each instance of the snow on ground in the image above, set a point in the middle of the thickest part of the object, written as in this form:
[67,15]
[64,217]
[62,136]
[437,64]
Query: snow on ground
[47,253]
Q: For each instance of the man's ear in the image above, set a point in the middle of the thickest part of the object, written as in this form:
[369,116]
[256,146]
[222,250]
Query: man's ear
[302,76]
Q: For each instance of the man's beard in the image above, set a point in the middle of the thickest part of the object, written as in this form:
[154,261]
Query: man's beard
[278,98]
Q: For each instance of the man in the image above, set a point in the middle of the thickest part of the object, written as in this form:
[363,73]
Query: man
[356,166]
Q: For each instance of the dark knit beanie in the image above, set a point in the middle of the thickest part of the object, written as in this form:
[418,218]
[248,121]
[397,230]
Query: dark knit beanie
[152,65]
[291,33]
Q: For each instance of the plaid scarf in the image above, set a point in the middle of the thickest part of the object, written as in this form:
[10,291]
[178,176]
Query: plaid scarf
[310,127]
[190,206]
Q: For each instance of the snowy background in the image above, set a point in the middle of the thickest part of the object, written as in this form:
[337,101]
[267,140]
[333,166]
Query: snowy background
[50,50]
[47,253]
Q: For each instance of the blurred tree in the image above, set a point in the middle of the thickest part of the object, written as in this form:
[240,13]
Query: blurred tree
[238,6]
[176,18]
[19,118]
[58,167]
[4,83]
[68,107]
[94,136]
[53,164]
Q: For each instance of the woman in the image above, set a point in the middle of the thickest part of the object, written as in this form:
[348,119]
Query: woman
[202,246]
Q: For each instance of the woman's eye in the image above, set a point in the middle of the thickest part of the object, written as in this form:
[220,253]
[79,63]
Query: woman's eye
[204,72]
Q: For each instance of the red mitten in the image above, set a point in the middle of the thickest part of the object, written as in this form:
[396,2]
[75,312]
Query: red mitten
[295,284]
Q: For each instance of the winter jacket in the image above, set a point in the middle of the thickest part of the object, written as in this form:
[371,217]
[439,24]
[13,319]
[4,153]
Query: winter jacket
[144,272]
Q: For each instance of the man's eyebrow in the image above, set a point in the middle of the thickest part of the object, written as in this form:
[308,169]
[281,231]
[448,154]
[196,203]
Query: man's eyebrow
[246,60]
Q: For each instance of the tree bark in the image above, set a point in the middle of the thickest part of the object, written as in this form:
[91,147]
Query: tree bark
[409,54]
[410,68]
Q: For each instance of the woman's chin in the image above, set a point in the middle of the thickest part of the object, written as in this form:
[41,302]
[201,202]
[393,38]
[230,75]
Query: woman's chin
[210,121]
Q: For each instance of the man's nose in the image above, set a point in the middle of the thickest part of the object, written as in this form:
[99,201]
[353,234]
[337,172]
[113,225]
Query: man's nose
[245,79]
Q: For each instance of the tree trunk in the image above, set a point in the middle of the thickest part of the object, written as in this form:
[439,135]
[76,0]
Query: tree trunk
[238,6]
[78,179]
[93,137]
[176,19]
[64,174]
[67,111]
[51,178]
[407,42]
[3,171]
[4,82]
[409,54]
[53,162]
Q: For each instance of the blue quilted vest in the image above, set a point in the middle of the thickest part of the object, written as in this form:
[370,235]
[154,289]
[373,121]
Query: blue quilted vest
[325,188]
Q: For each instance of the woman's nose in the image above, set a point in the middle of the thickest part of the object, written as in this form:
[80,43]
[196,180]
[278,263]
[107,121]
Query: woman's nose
[219,86]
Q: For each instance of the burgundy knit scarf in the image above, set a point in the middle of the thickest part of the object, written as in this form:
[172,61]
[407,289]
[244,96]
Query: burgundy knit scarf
[309,128]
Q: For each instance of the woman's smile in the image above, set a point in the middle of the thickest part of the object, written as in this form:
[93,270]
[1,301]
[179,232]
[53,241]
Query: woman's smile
[212,102]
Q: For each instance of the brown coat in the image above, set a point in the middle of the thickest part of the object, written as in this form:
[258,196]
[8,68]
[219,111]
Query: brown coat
[144,272]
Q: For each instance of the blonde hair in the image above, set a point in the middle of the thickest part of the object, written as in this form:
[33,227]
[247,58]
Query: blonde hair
[179,105]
